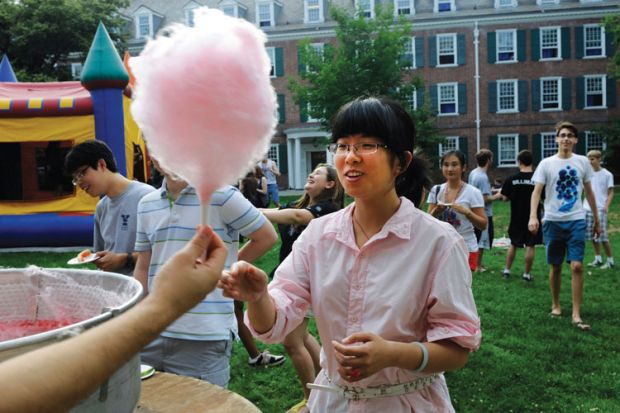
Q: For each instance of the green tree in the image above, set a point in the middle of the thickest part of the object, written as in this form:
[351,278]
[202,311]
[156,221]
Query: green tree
[368,59]
[38,36]
[612,28]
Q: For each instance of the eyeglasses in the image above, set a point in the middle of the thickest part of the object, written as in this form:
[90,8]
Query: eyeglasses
[341,149]
[77,177]
[566,135]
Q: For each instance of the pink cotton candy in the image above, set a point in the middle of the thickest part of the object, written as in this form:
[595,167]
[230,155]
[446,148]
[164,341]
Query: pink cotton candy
[204,100]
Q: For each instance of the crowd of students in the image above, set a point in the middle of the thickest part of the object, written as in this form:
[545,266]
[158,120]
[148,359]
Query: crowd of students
[389,285]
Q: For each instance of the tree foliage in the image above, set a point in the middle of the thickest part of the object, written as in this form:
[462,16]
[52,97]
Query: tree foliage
[38,36]
[612,28]
[367,60]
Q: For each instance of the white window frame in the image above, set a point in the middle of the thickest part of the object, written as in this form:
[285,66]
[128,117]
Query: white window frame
[149,15]
[410,50]
[451,36]
[455,88]
[515,96]
[511,161]
[272,14]
[232,5]
[547,2]
[590,135]
[602,92]
[188,11]
[271,52]
[558,81]
[308,8]
[412,100]
[369,13]
[76,70]
[436,6]
[274,153]
[548,145]
[309,118]
[499,5]
[398,7]
[452,144]
[318,49]
[602,41]
[558,42]
[513,34]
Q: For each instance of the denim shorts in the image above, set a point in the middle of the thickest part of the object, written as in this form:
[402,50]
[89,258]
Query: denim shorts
[564,238]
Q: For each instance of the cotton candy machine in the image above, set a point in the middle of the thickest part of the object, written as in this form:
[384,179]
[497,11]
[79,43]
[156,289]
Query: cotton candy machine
[65,303]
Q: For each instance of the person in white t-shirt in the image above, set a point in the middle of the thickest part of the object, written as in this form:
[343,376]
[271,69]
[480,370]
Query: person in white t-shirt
[458,203]
[603,188]
[564,176]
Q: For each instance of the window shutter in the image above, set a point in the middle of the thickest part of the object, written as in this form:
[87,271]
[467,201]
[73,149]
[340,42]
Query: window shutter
[419,95]
[581,87]
[566,93]
[419,52]
[565,42]
[537,147]
[283,156]
[535,33]
[491,47]
[536,95]
[523,95]
[281,109]
[460,49]
[580,148]
[303,111]
[523,143]
[579,42]
[521,45]
[279,62]
[300,60]
[611,92]
[462,89]
[432,51]
[610,47]
[435,97]
[493,146]
[492,96]
[464,146]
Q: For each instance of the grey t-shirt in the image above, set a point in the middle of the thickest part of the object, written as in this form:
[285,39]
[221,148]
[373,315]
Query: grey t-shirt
[480,180]
[116,221]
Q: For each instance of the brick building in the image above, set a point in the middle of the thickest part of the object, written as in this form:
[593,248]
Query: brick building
[499,73]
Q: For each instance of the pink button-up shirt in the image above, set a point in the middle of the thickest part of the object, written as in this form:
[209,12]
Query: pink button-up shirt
[409,282]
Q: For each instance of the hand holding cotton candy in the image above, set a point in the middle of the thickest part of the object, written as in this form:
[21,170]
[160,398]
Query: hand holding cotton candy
[204,100]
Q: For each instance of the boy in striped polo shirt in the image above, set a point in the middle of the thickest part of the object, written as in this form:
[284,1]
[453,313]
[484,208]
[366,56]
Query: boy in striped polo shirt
[199,343]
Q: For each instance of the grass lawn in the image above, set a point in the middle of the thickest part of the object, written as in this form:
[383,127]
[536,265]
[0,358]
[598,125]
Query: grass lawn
[528,361]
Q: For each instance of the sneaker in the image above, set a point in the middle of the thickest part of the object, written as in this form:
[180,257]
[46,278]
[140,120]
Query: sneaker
[266,359]
[528,277]
[299,407]
[505,274]
[595,263]
[607,265]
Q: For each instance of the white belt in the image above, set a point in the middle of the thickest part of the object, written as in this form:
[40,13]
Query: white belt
[385,390]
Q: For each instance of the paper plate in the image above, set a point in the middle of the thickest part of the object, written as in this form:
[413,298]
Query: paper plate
[146,371]
[76,261]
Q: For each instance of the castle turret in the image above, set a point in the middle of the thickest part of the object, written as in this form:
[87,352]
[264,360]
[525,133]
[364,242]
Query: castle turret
[6,71]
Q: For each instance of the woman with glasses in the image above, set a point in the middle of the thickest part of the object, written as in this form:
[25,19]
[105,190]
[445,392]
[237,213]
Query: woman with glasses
[322,195]
[458,203]
[389,285]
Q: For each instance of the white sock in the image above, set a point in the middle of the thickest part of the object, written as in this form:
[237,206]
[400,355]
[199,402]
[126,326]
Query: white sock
[506,270]
[610,260]
[598,258]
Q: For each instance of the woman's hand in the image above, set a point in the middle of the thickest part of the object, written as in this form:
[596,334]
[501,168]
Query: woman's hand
[462,209]
[244,282]
[361,355]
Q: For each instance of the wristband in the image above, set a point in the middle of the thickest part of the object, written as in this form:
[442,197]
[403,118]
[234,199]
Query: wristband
[424,362]
[129,262]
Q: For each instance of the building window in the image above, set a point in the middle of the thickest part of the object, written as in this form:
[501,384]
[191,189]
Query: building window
[408,57]
[189,14]
[317,50]
[446,49]
[403,7]
[594,40]
[547,2]
[549,145]
[274,153]
[366,8]
[550,93]
[271,52]
[76,70]
[412,100]
[310,118]
[550,43]
[144,26]
[264,14]
[507,149]
[443,5]
[229,10]
[595,141]
[313,11]
[505,3]
[595,91]
[506,46]
[507,96]
[448,101]
[451,143]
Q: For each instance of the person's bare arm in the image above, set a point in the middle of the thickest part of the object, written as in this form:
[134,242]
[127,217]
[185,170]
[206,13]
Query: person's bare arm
[533,223]
[260,241]
[56,377]
[263,186]
[289,216]
[610,197]
[274,169]
[587,186]
[141,272]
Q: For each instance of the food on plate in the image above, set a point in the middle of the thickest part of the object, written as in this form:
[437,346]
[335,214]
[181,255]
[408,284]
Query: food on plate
[84,255]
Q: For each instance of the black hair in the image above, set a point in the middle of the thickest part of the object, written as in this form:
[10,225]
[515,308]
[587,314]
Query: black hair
[388,121]
[460,156]
[89,153]
[525,157]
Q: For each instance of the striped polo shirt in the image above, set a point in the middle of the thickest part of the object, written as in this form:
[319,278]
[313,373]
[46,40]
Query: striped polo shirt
[166,225]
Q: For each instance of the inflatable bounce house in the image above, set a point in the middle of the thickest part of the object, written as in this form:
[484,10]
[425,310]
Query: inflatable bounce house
[39,123]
